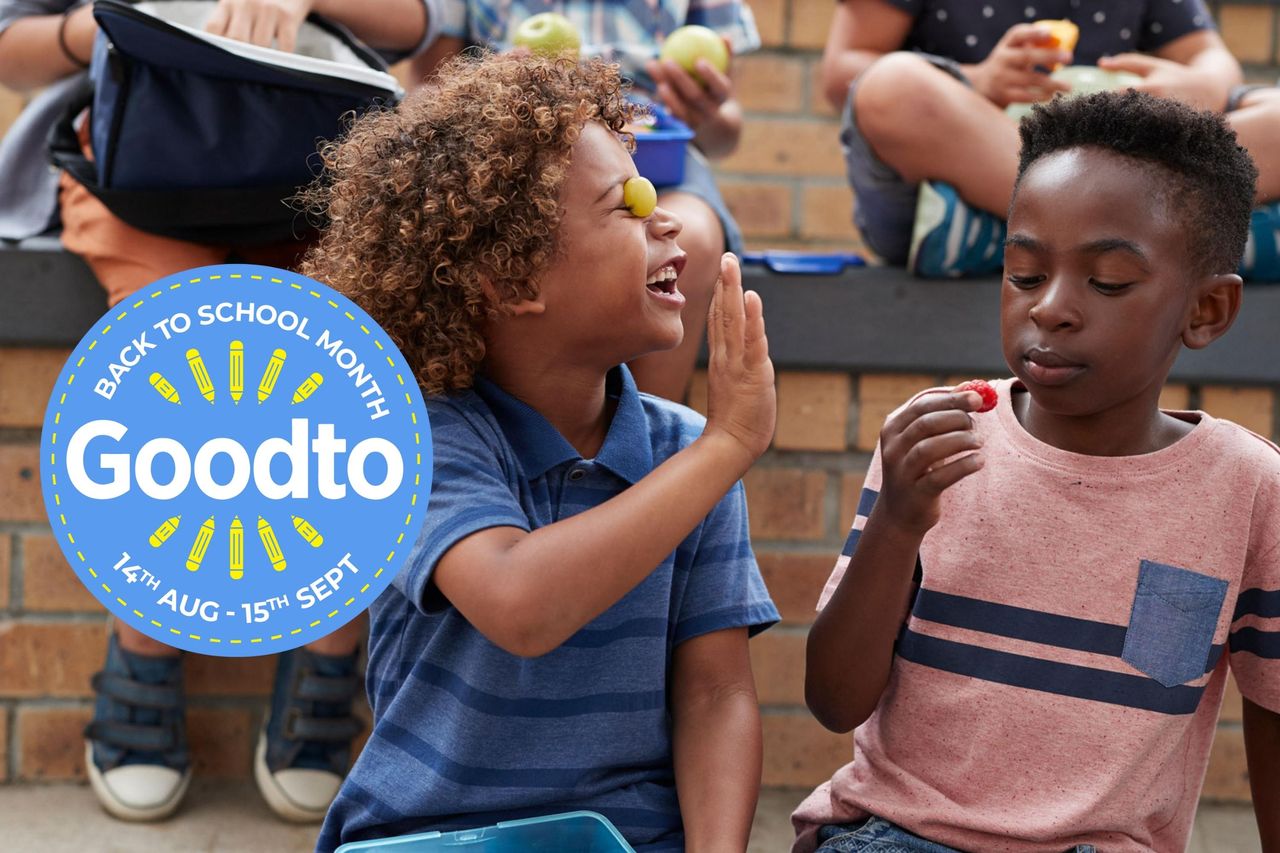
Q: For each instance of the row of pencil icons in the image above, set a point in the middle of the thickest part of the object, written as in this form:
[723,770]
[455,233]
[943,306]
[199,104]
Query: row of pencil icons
[235,545]
[266,385]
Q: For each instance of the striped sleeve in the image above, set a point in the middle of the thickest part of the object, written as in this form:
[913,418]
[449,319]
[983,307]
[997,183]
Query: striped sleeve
[866,500]
[730,18]
[1255,631]
[470,492]
[724,588]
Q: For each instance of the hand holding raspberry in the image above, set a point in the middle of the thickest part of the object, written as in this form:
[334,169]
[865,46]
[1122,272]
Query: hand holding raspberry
[983,389]
[925,448]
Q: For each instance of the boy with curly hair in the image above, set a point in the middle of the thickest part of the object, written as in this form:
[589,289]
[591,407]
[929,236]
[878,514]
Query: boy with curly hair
[1033,619]
[570,631]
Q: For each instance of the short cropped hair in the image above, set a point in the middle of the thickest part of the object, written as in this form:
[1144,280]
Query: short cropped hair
[443,210]
[1210,178]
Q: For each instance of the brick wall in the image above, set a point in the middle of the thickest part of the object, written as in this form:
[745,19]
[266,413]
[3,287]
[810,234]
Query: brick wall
[786,187]
[802,496]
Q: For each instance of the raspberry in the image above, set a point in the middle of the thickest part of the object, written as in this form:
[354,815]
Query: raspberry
[983,389]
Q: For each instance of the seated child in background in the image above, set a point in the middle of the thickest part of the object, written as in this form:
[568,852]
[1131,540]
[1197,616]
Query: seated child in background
[570,631]
[1033,618]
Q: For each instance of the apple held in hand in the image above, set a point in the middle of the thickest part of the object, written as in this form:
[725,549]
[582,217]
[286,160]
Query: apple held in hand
[688,44]
[548,34]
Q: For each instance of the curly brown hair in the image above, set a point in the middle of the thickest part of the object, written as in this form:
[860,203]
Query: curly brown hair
[442,211]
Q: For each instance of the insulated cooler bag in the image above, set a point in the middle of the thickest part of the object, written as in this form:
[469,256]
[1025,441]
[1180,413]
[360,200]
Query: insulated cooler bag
[203,138]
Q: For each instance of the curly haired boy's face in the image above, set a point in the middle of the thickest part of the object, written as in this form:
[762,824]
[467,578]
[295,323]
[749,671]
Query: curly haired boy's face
[1098,290]
[610,295]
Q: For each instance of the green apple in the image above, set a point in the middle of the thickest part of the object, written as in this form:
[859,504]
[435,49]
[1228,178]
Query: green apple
[549,34]
[688,44]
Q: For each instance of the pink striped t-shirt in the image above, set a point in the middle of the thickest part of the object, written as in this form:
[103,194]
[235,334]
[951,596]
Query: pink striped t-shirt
[1060,674]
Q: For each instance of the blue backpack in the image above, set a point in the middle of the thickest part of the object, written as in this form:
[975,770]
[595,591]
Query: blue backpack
[206,139]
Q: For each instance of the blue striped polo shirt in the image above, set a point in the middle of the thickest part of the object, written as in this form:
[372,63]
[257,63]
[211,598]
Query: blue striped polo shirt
[467,735]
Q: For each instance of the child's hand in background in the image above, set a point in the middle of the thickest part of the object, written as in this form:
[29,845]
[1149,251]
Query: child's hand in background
[916,446]
[741,403]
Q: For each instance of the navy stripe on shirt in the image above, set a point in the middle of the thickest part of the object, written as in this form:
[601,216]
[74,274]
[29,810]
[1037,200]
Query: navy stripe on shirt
[1081,682]
[1264,644]
[525,706]
[1257,602]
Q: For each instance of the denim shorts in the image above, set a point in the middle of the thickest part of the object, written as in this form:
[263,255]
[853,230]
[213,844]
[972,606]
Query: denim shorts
[875,835]
[699,181]
[885,203]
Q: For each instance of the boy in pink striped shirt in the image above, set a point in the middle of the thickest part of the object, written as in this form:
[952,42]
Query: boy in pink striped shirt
[1032,621]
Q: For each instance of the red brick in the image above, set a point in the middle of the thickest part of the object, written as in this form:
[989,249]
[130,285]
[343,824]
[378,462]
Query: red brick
[1232,702]
[878,395]
[850,494]
[1251,408]
[813,411]
[786,503]
[698,392]
[795,580]
[48,583]
[26,381]
[51,743]
[827,213]
[20,483]
[761,209]
[50,659]
[1175,396]
[770,83]
[799,752]
[222,741]
[777,661]
[240,676]
[1247,31]
[1228,777]
[810,22]
[771,21]
[818,103]
[11,103]
[6,550]
[803,147]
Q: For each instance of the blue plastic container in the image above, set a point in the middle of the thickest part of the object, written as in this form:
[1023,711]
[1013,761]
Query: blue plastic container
[659,153]
[572,832]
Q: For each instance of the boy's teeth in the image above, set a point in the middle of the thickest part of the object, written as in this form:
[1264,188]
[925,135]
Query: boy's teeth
[664,274]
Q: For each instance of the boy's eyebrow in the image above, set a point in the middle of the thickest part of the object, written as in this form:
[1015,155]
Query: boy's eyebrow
[1096,247]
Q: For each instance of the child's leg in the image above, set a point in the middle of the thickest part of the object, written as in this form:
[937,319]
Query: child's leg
[122,258]
[1257,126]
[927,125]
[667,374]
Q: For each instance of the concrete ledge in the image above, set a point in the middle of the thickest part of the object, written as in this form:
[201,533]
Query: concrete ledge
[871,319]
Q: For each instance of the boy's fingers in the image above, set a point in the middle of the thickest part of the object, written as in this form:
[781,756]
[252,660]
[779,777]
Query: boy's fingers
[755,343]
[936,423]
[732,307]
[931,452]
[966,401]
[714,350]
[945,476]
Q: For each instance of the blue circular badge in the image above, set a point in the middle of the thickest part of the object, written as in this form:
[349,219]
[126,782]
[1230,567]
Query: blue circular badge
[236,460]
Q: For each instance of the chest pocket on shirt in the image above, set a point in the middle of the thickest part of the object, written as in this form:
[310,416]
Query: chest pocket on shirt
[1175,614]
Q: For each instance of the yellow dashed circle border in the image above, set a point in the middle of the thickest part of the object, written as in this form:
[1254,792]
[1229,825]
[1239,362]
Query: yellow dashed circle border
[408,398]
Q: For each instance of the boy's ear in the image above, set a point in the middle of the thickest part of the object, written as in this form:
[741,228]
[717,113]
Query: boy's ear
[1216,302]
[512,309]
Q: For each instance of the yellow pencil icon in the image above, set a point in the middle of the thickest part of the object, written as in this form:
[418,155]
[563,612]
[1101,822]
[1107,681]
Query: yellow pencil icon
[307,388]
[165,388]
[309,533]
[201,373]
[164,531]
[269,542]
[237,370]
[270,375]
[203,537]
[237,549]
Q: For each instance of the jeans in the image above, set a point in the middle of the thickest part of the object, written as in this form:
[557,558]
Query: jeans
[874,835]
